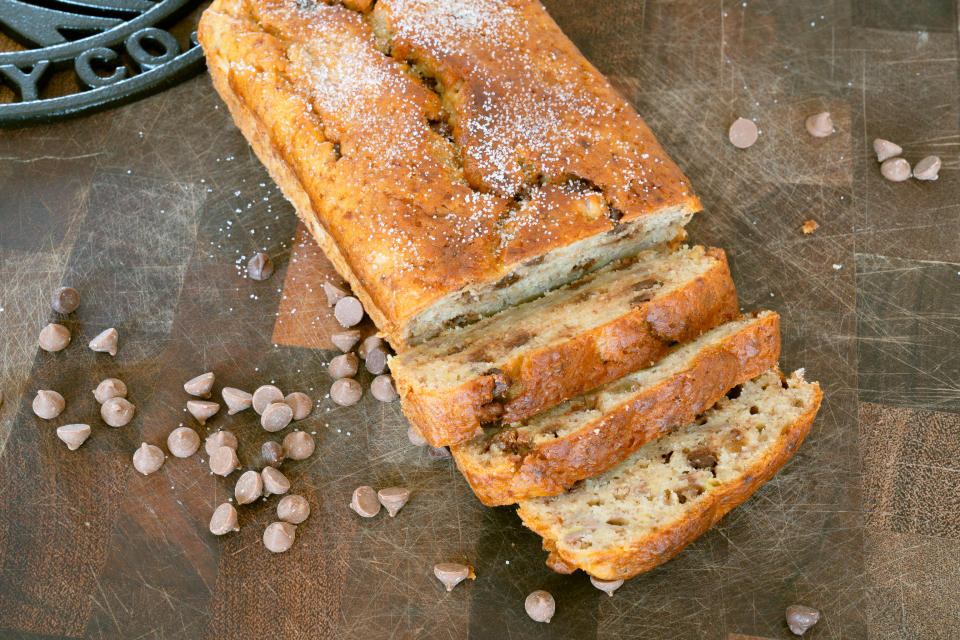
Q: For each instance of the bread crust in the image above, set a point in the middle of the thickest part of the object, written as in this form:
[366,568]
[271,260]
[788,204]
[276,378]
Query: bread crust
[660,546]
[410,233]
[550,468]
[554,373]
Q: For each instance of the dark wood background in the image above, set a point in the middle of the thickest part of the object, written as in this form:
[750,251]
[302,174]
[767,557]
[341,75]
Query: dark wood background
[147,208]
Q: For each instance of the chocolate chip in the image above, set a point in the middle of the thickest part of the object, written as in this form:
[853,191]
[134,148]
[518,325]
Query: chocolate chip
[343,366]
[886,149]
[110,388]
[274,482]
[438,453]
[345,340]
[106,342]
[117,412]
[640,298]
[819,125]
[382,388]
[517,340]
[298,445]
[264,396]
[928,168]
[348,311]
[272,453]
[501,381]
[224,461]
[249,487]
[276,417]
[334,294]
[743,133]
[371,342]
[65,300]
[346,392]
[147,459]
[293,508]
[376,360]
[200,386]
[260,267]
[219,439]
[800,618]
[364,502]
[279,536]
[183,442]
[540,606]
[54,337]
[224,520]
[393,498]
[236,400]
[895,169]
[607,586]
[702,459]
[202,410]
[48,404]
[74,435]
[451,573]
[301,404]
[415,438]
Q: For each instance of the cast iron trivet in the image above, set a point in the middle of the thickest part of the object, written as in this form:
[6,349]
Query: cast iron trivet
[116,50]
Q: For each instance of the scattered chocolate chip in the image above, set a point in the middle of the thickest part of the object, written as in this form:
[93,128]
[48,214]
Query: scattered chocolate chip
[110,388]
[117,412]
[298,445]
[334,294]
[224,461]
[48,404]
[819,125]
[346,392]
[65,300]
[219,439]
[249,487]
[260,267]
[348,311]
[376,360]
[236,400]
[372,342]
[74,435]
[106,342]
[540,606]
[345,340]
[202,410]
[54,337]
[274,482]
[147,459]
[895,169]
[364,502]
[393,498]
[279,536]
[264,396]
[743,133]
[800,618]
[276,417]
[438,453]
[224,520]
[810,226]
[272,453]
[183,442]
[607,586]
[301,404]
[382,388]
[343,366]
[415,438]
[451,573]
[293,508]
[200,386]
[928,168]
[886,149]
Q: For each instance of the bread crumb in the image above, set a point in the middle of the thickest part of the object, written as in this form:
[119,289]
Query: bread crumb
[810,226]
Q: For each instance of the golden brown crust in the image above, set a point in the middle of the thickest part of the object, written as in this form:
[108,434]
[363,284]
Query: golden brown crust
[408,212]
[554,373]
[550,468]
[663,544]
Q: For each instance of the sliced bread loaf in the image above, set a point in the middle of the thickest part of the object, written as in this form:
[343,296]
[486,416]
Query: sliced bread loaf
[545,454]
[645,510]
[521,361]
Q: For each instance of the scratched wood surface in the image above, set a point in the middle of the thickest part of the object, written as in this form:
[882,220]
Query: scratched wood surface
[148,209]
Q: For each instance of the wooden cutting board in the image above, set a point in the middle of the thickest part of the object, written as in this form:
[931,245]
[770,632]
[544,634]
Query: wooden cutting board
[147,209]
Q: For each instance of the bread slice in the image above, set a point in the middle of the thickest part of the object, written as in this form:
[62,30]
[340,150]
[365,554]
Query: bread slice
[451,159]
[645,510]
[524,360]
[548,453]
